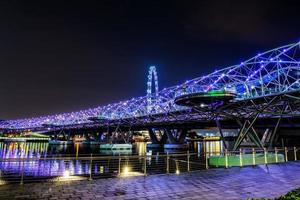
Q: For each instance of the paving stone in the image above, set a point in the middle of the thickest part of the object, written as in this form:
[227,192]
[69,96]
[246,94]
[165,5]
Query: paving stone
[233,183]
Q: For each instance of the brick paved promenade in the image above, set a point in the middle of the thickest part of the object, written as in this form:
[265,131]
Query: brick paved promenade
[233,183]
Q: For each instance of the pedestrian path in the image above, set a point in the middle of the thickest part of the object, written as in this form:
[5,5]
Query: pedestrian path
[233,183]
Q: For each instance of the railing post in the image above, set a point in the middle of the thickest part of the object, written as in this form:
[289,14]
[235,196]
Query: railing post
[253,156]
[276,155]
[91,163]
[145,165]
[206,160]
[295,153]
[177,167]
[241,158]
[226,158]
[22,173]
[285,154]
[168,161]
[265,155]
[119,168]
[188,161]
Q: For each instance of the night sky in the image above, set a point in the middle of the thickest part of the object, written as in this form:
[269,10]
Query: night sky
[61,56]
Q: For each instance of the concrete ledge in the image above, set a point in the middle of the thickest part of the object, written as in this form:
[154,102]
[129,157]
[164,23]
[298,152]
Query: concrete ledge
[155,146]
[57,142]
[24,139]
[176,146]
[115,146]
[94,142]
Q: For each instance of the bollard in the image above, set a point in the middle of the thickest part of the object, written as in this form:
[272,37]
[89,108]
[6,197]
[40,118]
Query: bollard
[226,158]
[91,162]
[265,155]
[295,154]
[188,161]
[145,165]
[241,158]
[119,170]
[253,156]
[168,167]
[285,154]
[276,155]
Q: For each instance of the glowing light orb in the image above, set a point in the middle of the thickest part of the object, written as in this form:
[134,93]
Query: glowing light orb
[66,174]
[126,171]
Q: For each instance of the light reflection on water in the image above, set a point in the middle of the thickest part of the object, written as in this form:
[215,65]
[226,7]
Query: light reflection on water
[210,147]
[56,167]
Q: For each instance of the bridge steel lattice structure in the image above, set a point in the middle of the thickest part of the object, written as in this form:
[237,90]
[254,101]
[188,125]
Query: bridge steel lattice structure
[266,86]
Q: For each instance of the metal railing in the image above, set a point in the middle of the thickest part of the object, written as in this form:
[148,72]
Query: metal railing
[92,166]
[251,156]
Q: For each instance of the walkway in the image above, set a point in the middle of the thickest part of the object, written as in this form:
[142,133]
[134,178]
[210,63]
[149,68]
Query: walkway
[233,183]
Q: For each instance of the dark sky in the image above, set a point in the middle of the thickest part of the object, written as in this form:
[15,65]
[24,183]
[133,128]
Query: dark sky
[61,56]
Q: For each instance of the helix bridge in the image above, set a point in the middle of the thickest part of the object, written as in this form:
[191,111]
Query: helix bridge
[262,87]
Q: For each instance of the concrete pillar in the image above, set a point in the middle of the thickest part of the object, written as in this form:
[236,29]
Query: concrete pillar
[171,138]
[175,143]
[152,136]
[109,135]
[164,138]
[69,135]
[182,135]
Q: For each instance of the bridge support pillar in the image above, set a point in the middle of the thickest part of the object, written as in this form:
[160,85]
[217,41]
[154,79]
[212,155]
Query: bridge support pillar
[272,137]
[164,138]
[171,138]
[176,139]
[247,129]
[152,136]
[221,133]
[155,143]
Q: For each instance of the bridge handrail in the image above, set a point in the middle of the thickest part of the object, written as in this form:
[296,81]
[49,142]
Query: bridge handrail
[126,165]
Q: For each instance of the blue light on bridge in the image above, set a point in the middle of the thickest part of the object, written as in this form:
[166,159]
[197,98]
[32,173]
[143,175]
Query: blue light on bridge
[273,71]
